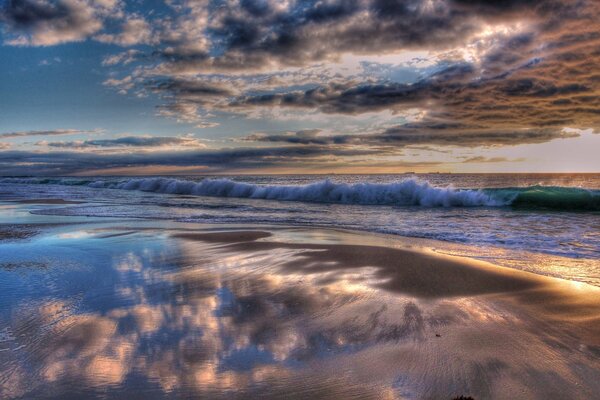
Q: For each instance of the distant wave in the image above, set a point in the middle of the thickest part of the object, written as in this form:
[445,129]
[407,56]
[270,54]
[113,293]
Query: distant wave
[549,197]
[408,192]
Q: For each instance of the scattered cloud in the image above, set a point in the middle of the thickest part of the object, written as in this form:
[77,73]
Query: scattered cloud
[57,132]
[130,141]
[50,61]
[124,84]
[125,57]
[422,133]
[308,136]
[481,159]
[134,31]
[186,113]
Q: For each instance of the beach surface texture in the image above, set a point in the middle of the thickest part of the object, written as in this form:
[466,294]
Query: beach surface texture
[124,308]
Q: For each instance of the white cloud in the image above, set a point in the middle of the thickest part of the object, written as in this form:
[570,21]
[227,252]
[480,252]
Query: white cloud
[133,31]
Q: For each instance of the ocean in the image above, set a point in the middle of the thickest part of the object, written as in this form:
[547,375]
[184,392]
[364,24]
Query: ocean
[545,223]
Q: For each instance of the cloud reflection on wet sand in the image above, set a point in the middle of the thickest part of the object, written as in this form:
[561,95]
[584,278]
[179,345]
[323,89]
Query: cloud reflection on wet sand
[235,315]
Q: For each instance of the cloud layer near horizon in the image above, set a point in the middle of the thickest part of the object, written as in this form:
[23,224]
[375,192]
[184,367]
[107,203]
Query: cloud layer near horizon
[128,142]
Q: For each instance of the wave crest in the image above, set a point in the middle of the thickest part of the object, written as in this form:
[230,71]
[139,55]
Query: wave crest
[408,192]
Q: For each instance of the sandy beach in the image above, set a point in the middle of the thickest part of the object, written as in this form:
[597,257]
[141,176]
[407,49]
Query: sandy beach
[150,309]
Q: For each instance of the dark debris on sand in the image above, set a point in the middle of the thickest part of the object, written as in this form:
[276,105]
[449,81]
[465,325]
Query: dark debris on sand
[10,266]
[16,232]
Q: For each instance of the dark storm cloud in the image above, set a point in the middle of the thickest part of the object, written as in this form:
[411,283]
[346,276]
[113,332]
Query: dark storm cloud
[540,88]
[189,88]
[424,133]
[357,99]
[57,132]
[300,138]
[253,34]
[309,136]
[28,13]
[451,90]
[185,96]
[44,23]
[129,141]
[442,135]
[524,89]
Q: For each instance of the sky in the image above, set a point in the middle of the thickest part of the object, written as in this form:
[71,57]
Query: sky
[119,87]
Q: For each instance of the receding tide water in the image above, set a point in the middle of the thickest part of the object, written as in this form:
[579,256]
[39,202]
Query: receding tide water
[114,287]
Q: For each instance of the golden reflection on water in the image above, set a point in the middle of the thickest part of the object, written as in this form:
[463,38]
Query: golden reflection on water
[585,270]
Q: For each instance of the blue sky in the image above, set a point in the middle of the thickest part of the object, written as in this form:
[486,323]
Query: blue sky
[251,86]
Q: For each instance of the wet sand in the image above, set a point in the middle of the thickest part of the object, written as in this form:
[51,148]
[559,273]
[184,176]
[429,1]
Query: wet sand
[184,311]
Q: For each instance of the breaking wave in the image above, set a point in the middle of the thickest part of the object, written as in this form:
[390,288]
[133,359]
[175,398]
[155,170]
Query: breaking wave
[408,192]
